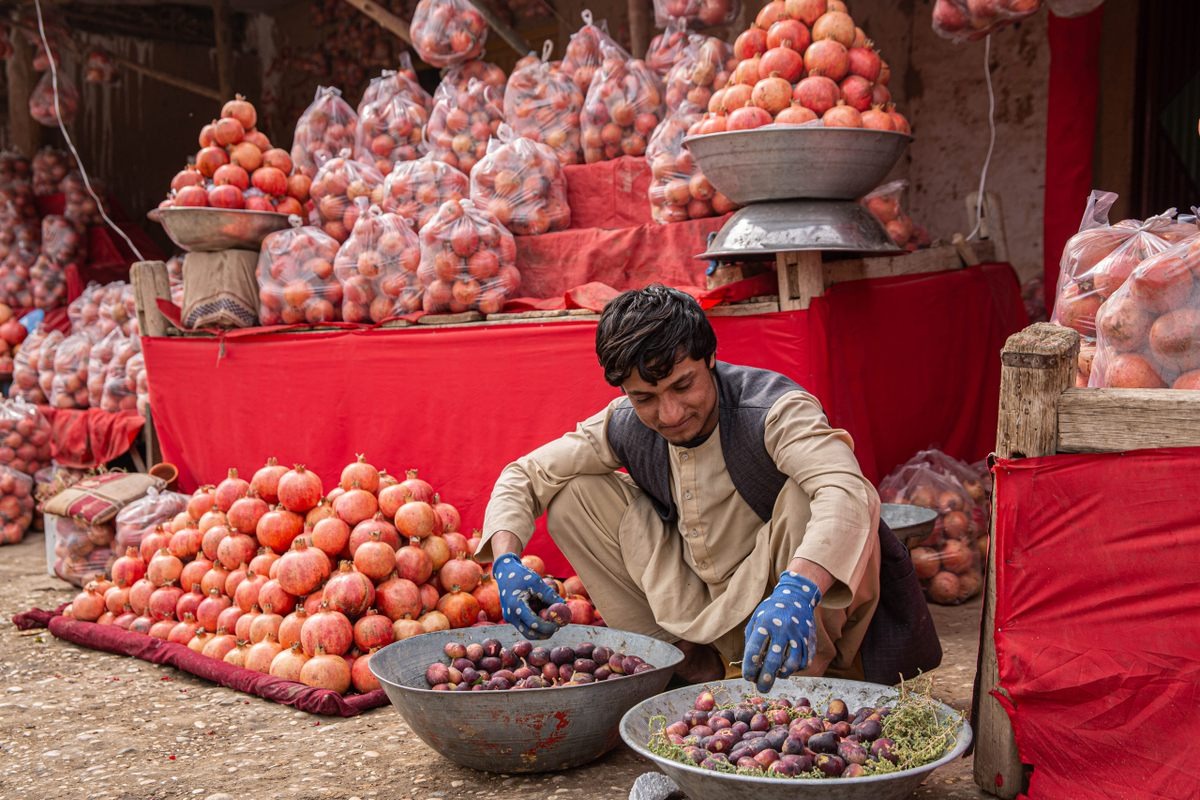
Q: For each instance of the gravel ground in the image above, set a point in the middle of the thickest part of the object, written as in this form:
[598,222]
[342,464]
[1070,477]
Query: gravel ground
[79,724]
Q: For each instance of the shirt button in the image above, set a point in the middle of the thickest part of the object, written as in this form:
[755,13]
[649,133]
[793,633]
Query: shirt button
[693,532]
[702,564]
[687,495]
[683,457]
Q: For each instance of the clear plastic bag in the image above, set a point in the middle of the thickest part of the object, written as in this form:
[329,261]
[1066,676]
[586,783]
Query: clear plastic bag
[84,311]
[25,370]
[678,189]
[50,166]
[16,505]
[69,386]
[448,32]
[338,183]
[622,108]
[377,268]
[970,20]
[175,277]
[118,308]
[521,184]
[14,167]
[99,359]
[49,481]
[886,204]
[327,127]
[296,283]
[461,75]
[390,130]
[667,48]
[415,190]
[41,102]
[393,82]
[468,261]
[144,515]
[81,207]
[703,67]
[83,552]
[1097,261]
[15,270]
[1148,331]
[62,241]
[948,561]
[583,54]
[48,280]
[462,122]
[24,437]
[1073,8]
[543,105]
[45,361]
[698,13]
[120,391]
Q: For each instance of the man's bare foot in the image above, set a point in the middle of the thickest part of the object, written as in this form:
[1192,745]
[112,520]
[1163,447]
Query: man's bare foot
[701,663]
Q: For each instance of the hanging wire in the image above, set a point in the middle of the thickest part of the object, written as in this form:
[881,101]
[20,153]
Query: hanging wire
[53,58]
[987,74]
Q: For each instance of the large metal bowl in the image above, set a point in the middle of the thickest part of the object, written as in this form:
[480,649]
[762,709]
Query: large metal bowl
[784,162]
[702,784]
[531,730]
[210,229]
[761,230]
[910,523]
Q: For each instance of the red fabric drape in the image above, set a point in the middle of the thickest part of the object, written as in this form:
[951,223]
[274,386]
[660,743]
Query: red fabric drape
[460,403]
[609,194]
[1070,133]
[86,438]
[1096,624]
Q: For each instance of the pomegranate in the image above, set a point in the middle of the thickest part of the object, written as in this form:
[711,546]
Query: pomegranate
[162,602]
[215,578]
[201,502]
[878,119]
[235,550]
[237,656]
[227,619]
[197,642]
[782,62]
[457,544]
[437,550]
[189,602]
[417,488]
[361,677]
[159,630]
[326,671]
[835,25]
[265,624]
[278,528]
[312,603]
[302,569]
[350,590]
[263,653]
[842,116]
[429,597]
[299,490]
[435,621]
[461,609]
[864,62]
[460,575]
[448,514]
[116,598]
[241,629]
[265,482]
[807,11]
[262,562]
[184,631]
[391,498]
[322,510]
[398,598]
[360,475]
[246,593]
[373,630]
[1132,371]
[366,529]
[827,57]
[208,161]
[142,624]
[795,114]
[228,131]
[164,568]
[535,564]
[772,94]
[289,629]
[129,568]
[375,558]
[139,595]
[747,118]
[899,121]
[88,605]
[219,645]
[355,505]
[288,663]
[211,519]
[272,595]
[856,91]
[210,608]
[230,491]
[750,43]
[330,535]
[244,514]
[406,629]
[488,597]
[329,629]
[123,621]
[153,542]
[185,543]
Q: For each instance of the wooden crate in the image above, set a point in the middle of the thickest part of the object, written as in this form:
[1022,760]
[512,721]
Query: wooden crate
[1041,414]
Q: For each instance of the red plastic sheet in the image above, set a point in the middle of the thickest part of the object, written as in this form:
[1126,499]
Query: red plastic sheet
[112,639]
[1096,629]
[460,403]
[86,438]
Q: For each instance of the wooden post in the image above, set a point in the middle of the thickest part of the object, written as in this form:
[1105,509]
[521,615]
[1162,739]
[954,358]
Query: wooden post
[150,282]
[223,34]
[514,39]
[383,18]
[26,132]
[801,278]
[641,23]
[171,80]
[1037,366]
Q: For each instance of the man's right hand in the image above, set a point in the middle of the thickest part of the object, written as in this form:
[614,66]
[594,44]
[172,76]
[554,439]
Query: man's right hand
[517,583]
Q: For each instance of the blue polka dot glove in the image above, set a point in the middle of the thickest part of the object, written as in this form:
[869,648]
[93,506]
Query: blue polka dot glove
[517,583]
[781,637]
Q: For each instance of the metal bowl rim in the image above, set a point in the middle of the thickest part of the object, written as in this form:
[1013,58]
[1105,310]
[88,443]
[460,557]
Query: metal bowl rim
[775,127]
[933,514]
[963,740]
[156,214]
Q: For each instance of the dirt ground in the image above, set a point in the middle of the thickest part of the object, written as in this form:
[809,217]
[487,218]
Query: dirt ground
[80,724]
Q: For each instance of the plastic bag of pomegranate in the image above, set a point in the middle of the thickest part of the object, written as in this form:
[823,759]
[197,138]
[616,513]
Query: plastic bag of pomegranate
[377,268]
[84,311]
[947,561]
[390,129]
[678,189]
[48,280]
[521,184]
[15,269]
[136,369]
[82,552]
[42,105]
[622,108]
[68,388]
[415,190]
[583,55]
[25,369]
[668,47]
[99,359]
[1148,331]
[462,122]
[338,183]
[969,20]
[461,75]
[886,204]
[703,68]
[50,166]
[543,105]
[448,32]
[296,283]
[63,241]
[24,436]
[16,505]
[118,308]
[468,261]
[45,361]
[1099,259]
[393,82]
[145,514]
[697,13]
[326,128]
[175,277]
[14,167]
[119,392]
[81,207]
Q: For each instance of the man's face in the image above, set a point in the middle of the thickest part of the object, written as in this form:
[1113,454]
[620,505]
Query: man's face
[680,407]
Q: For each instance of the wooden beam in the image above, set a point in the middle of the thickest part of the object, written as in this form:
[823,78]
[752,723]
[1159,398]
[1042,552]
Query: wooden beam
[514,39]
[223,34]
[150,282]
[171,80]
[1037,366]
[800,278]
[942,258]
[1112,420]
[25,131]
[641,23]
[383,18]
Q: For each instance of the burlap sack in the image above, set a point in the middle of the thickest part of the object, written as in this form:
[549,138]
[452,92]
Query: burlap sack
[220,290]
[97,499]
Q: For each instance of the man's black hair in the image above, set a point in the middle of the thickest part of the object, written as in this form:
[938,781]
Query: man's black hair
[650,330]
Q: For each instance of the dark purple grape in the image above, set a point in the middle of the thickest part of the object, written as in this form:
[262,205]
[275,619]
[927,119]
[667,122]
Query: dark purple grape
[837,711]
[830,765]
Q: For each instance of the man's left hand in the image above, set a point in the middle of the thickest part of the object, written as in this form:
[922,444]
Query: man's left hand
[781,637]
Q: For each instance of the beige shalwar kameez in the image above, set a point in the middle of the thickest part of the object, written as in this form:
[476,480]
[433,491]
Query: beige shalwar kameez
[699,579]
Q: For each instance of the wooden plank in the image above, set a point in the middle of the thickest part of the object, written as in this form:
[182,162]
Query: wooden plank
[1113,420]
[26,133]
[171,80]
[383,18]
[801,278]
[745,309]
[641,24]
[1038,364]
[965,250]
[536,314]
[450,319]
[150,282]
[223,36]
[942,258]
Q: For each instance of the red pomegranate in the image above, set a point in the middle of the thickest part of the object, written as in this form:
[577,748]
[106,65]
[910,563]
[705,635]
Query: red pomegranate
[349,590]
[366,530]
[288,663]
[230,491]
[417,519]
[460,608]
[329,629]
[375,558]
[210,608]
[302,569]
[278,528]
[265,482]
[460,575]
[299,490]
[129,568]
[373,630]
[397,598]
[360,475]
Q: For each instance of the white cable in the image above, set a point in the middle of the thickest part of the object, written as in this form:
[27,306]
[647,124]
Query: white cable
[987,74]
[53,58]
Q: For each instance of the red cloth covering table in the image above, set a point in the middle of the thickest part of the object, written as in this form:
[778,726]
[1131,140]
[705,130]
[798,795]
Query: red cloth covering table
[1097,637]
[902,363]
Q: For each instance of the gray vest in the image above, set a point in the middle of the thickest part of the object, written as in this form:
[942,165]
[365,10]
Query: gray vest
[901,639]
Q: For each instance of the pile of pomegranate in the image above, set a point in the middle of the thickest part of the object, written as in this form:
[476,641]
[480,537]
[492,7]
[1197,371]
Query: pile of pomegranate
[238,168]
[583,55]
[448,32]
[277,575]
[623,106]
[521,183]
[804,60]
[415,190]
[468,260]
[489,666]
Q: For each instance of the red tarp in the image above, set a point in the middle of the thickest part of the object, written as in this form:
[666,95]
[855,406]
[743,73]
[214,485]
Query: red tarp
[1097,635]
[903,363]
[86,438]
[609,194]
